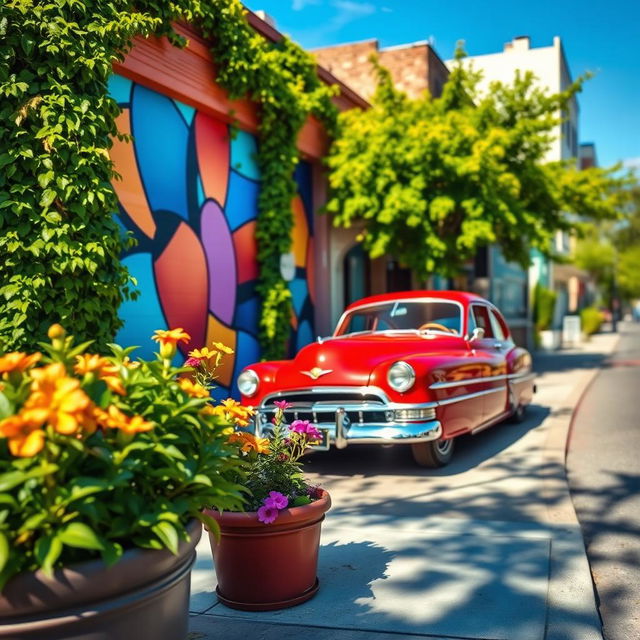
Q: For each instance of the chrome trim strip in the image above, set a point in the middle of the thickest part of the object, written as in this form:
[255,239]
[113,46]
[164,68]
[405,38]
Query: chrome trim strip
[462,383]
[470,396]
[353,404]
[386,433]
[521,377]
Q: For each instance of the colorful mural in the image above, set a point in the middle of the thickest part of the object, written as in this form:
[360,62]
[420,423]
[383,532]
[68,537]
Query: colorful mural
[189,193]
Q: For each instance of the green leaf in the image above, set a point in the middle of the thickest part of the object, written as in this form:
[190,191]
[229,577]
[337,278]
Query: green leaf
[111,553]
[301,500]
[167,534]
[80,535]
[48,196]
[6,406]
[11,479]
[4,550]
[210,523]
[47,550]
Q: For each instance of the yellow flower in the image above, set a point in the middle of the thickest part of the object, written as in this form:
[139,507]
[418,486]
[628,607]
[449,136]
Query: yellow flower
[248,442]
[25,440]
[56,331]
[203,354]
[221,347]
[18,361]
[192,388]
[237,413]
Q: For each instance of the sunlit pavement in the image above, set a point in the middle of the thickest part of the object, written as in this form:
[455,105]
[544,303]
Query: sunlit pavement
[604,477]
[488,548]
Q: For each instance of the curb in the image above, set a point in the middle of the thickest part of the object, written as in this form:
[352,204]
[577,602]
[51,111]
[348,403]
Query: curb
[561,514]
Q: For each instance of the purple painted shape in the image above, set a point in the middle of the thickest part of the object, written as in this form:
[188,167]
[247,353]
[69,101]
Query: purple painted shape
[221,260]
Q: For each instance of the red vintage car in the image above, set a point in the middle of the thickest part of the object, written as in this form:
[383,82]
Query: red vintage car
[417,368]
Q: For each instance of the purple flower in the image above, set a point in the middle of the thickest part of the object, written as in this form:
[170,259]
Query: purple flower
[299,426]
[313,433]
[267,514]
[276,500]
[282,404]
[192,362]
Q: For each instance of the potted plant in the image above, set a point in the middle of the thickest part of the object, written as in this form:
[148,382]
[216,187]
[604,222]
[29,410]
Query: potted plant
[105,466]
[267,556]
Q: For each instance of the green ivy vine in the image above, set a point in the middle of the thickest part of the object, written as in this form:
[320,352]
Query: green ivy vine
[60,243]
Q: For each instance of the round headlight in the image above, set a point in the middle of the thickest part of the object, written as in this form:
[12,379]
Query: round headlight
[248,382]
[401,376]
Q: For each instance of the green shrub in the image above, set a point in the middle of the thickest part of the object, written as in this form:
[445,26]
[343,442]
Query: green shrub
[591,320]
[544,304]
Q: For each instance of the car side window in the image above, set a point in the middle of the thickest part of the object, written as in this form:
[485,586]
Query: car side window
[496,326]
[471,323]
[482,319]
[503,329]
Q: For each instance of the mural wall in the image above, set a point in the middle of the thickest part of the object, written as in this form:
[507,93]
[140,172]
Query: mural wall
[189,194]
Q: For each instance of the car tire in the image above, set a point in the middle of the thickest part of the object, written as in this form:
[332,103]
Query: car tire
[434,454]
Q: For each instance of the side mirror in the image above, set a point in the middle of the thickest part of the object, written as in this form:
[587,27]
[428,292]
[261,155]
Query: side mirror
[477,334]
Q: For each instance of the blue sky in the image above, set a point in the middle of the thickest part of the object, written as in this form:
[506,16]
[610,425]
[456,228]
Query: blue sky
[598,36]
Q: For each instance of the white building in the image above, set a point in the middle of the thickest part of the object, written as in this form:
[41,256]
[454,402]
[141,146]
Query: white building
[550,67]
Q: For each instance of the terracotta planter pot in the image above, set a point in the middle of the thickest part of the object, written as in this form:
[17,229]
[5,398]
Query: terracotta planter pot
[144,595]
[268,566]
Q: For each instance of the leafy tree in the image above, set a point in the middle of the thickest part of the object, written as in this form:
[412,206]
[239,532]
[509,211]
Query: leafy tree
[431,180]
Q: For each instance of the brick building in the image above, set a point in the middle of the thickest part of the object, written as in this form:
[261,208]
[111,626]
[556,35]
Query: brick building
[414,67]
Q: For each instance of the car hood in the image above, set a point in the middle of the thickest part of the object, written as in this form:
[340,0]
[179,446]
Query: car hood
[350,360]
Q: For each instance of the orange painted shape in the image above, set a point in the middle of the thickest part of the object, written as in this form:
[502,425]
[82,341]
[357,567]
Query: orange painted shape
[129,189]
[299,233]
[213,151]
[183,285]
[244,240]
[311,272]
[294,319]
[218,332]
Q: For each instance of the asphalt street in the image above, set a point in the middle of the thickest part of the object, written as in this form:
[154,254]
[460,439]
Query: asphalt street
[603,466]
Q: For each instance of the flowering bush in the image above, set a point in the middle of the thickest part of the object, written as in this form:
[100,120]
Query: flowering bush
[102,453]
[274,477]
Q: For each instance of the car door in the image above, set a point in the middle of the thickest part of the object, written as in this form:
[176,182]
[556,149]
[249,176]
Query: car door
[494,348]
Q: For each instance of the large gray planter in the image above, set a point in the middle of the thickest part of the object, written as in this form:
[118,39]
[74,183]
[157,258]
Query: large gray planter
[144,595]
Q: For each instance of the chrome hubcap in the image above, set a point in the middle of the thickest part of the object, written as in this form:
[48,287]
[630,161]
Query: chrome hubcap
[444,446]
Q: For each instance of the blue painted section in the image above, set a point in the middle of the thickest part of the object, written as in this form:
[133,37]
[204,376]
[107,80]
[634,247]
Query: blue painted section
[201,196]
[247,352]
[299,292]
[247,315]
[305,335]
[160,137]
[144,315]
[119,89]
[242,200]
[188,113]
[243,155]
[303,177]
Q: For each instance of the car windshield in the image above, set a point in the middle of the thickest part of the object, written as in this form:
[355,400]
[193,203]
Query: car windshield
[404,315]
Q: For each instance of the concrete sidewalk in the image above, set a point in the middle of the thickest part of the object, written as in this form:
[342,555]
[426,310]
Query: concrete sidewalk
[488,548]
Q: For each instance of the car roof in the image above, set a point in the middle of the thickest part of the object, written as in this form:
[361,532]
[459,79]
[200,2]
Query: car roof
[463,297]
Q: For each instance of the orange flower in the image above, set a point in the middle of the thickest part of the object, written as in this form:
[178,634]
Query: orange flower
[248,442]
[172,336]
[192,388]
[67,406]
[168,341]
[113,418]
[18,361]
[25,440]
[235,412]
[87,363]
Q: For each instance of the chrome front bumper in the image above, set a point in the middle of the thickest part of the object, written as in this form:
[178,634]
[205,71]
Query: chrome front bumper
[333,417]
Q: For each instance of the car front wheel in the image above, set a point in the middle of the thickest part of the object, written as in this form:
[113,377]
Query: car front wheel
[434,454]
